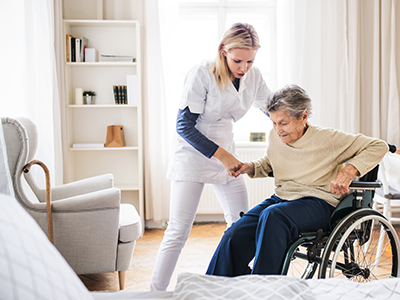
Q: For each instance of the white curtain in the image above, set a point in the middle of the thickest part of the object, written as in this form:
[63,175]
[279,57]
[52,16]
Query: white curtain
[60,112]
[361,84]
[28,82]
[159,60]
[346,54]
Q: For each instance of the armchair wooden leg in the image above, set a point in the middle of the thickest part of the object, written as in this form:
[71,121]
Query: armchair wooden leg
[121,277]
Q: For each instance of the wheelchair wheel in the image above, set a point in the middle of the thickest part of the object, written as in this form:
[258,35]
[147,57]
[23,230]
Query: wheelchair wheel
[351,250]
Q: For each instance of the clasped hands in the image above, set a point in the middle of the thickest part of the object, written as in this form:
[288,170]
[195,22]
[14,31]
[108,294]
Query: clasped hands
[242,168]
[232,164]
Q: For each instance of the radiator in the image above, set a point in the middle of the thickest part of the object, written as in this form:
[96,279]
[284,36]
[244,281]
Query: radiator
[257,189]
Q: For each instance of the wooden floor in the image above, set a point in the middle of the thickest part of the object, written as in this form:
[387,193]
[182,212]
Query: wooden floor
[194,258]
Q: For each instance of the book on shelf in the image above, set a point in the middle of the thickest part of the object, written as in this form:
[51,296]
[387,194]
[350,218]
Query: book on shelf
[124,93]
[88,145]
[68,45]
[83,46]
[76,48]
[73,49]
[115,92]
[116,58]
[119,92]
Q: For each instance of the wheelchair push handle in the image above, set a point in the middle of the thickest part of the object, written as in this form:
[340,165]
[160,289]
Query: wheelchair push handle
[392,148]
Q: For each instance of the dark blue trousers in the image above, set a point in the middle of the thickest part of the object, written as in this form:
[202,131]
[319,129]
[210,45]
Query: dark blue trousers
[265,233]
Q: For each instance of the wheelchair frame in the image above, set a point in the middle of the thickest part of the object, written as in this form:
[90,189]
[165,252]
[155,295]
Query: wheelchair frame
[346,251]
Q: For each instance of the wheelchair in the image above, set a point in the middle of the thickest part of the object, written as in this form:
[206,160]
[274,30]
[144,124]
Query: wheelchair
[352,248]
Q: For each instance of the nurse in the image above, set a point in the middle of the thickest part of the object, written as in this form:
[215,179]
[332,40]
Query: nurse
[215,94]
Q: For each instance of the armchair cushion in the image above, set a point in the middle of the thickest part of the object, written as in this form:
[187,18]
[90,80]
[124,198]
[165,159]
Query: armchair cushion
[30,266]
[129,222]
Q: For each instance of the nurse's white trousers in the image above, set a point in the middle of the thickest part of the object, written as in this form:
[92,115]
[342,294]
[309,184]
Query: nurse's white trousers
[185,197]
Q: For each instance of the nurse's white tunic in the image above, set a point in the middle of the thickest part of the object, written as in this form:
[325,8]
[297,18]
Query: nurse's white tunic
[218,109]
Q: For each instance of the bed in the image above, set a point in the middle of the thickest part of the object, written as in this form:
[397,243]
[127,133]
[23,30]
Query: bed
[195,286]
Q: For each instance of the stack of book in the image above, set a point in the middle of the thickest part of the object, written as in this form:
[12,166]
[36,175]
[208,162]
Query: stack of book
[120,94]
[117,58]
[76,48]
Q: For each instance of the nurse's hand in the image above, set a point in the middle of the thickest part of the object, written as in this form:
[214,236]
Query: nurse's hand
[230,162]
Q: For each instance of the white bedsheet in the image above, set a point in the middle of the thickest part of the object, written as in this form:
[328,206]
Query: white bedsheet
[194,286]
[340,289]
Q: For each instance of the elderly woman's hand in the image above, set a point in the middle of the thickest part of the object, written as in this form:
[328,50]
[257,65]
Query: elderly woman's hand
[340,185]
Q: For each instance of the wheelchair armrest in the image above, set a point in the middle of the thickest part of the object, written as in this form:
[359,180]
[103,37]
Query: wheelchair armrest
[362,185]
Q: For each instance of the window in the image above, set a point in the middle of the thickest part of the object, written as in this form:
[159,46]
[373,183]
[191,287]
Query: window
[203,23]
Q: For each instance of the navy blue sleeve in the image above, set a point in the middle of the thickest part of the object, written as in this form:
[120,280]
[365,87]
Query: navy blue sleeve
[185,127]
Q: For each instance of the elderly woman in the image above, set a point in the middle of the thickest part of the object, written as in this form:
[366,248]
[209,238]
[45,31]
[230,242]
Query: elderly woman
[310,179]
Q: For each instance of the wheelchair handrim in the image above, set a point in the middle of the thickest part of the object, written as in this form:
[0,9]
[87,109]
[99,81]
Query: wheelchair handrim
[379,218]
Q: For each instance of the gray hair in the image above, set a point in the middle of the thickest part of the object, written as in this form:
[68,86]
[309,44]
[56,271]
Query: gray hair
[292,98]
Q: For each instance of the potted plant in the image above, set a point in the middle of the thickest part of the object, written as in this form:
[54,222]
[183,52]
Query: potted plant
[89,97]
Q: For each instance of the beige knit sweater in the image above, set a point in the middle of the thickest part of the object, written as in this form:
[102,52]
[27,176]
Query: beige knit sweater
[307,166]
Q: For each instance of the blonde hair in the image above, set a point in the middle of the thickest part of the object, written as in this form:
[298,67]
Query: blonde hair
[240,35]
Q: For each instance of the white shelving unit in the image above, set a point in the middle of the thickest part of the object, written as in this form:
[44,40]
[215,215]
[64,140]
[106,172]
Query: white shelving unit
[88,123]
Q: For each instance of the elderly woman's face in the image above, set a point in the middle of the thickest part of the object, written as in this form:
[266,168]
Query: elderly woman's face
[288,128]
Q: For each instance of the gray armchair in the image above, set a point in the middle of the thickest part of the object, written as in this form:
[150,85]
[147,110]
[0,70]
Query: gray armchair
[93,231]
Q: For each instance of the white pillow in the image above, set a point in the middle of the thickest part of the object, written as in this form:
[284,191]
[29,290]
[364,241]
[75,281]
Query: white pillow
[30,266]
[5,177]
[263,287]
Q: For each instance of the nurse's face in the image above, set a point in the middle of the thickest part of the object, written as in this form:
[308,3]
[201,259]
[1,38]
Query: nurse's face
[240,61]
